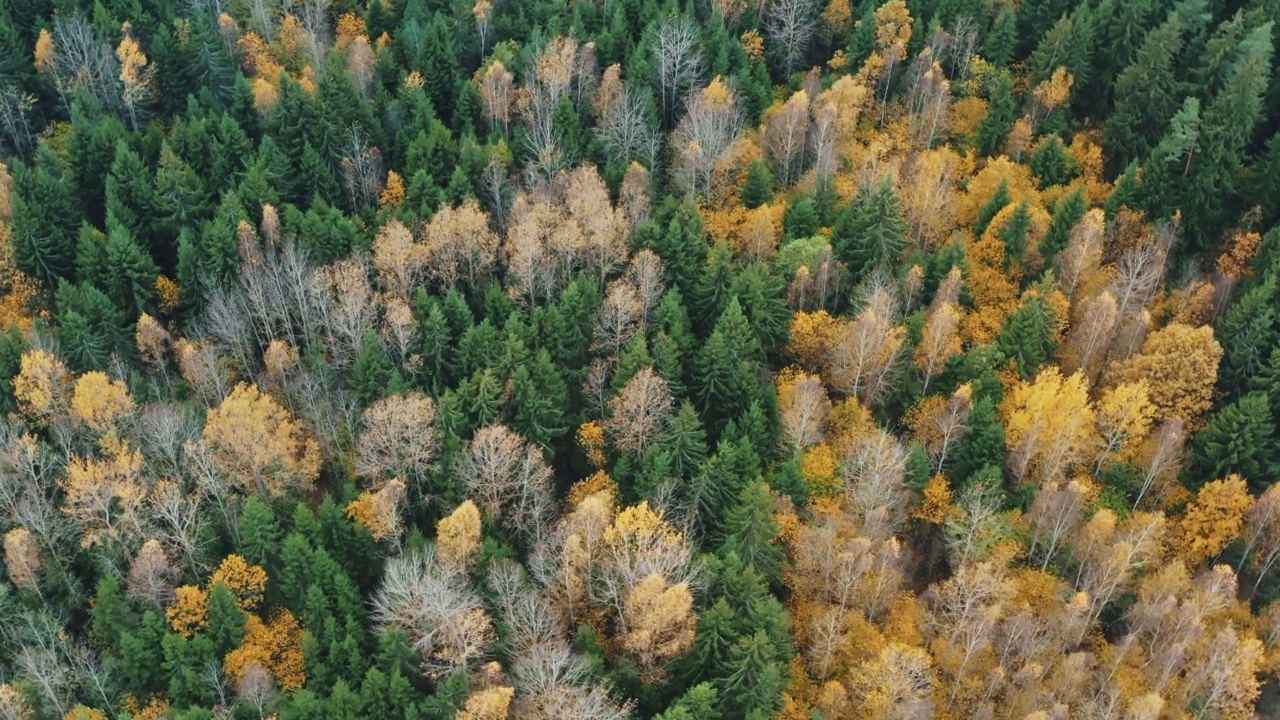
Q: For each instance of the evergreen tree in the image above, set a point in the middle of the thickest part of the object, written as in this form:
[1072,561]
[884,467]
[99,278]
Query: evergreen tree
[1248,335]
[44,220]
[870,233]
[758,188]
[1066,215]
[988,211]
[800,219]
[1013,234]
[1002,40]
[1147,96]
[749,531]
[129,273]
[1002,113]
[1239,439]
[1028,337]
[1050,164]
[372,372]
[985,444]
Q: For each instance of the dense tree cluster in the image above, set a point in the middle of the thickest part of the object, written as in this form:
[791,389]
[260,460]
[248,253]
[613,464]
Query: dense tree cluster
[639,359]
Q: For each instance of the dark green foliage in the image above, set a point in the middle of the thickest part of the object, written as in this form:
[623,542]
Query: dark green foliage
[758,189]
[45,216]
[1050,164]
[801,218]
[870,232]
[1068,212]
[1002,112]
[990,209]
[1239,439]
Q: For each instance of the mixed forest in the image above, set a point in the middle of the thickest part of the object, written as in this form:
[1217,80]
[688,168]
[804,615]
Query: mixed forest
[674,359]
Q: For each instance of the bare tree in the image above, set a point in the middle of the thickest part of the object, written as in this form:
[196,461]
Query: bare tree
[640,412]
[436,607]
[786,135]
[679,63]
[790,26]
[363,171]
[509,480]
[627,131]
[397,439]
[15,118]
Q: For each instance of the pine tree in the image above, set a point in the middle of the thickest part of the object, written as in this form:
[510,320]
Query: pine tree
[1239,439]
[1002,40]
[871,232]
[1013,234]
[1027,337]
[985,444]
[129,273]
[1248,335]
[1002,113]
[1146,96]
[800,219]
[372,372]
[130,195]
[755,688]
[1066,215]
[1050,164]
[758,188]
[44,221]
[988,211]
[749,531]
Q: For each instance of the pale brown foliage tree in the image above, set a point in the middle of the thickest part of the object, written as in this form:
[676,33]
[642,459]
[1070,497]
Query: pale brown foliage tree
[397,439]
[509,480]
[639,413]
[458,245]
[434,605]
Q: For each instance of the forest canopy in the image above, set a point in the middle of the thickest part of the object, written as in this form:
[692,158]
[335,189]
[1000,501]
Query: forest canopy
[605,359]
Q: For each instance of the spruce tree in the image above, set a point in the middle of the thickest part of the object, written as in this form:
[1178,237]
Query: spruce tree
[1239,439]
[871,232]
[1066,215]
[44,219]
[1013,234]
[1002,113]
[1147,96]
[1248,335]
[758,188]
[990,209]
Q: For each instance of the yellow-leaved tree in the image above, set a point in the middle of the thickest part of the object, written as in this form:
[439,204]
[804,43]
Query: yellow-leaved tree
[1048,425]
[458,536]
[1180,366]
[275,646]
[258,445]
[1213,519]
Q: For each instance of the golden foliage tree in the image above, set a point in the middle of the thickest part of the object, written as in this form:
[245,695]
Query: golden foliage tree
[247,582]
[1180,366]
[488,704]
[41,386]
[22,557]
[100,402]
[458,535]
[189,612]
[275,645]
[657,624]
[1213,519]
[258,445]
[1049,425]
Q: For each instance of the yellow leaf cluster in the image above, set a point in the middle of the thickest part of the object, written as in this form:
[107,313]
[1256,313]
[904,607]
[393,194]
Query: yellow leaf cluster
[379,511]
[936,504]
[488,704]
[81,712]
[99,402]
[592,441]
[812,334]
[275,646]
[1048,423]
[189,612]
[247,582]
[1179,364]
[41,385]
[22,557]
[659,624]
[597,483]
[393,193]
[46,57]
[458,536]
[818,469]
[350,26]
[1213,519]
[259,445]
[155,709]
[753,44]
